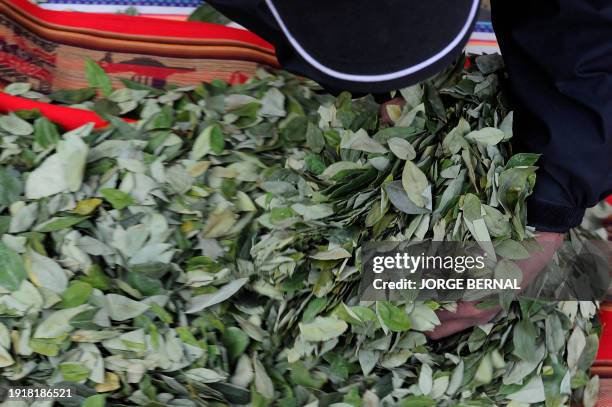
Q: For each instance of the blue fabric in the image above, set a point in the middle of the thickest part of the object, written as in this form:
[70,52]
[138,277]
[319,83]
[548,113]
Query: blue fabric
[559,59]
[484,27]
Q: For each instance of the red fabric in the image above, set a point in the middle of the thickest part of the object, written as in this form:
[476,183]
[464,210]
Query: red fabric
[609,200]
[67,117]
[605,342]
[138,25]
[238,78]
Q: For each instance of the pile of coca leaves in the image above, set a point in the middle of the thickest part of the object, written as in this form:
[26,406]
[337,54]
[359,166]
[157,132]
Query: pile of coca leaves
[207,253]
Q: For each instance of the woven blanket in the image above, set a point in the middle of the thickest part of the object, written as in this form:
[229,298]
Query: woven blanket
[49,48]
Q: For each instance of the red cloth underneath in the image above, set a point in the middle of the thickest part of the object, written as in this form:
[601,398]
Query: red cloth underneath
[67,117]
[605,341]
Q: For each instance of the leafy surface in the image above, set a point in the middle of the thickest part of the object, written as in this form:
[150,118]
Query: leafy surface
[209,254]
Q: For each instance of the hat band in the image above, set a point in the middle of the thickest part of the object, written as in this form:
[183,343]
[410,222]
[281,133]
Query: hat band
[379,77]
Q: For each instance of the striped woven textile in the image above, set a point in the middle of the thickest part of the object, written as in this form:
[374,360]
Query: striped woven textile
[605,393]
[166,9]
[483,39]
[49,48]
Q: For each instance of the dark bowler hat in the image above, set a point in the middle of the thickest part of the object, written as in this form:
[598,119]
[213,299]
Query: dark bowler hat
[359,45]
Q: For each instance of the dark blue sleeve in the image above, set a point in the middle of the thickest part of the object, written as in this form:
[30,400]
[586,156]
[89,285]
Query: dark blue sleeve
[559,57]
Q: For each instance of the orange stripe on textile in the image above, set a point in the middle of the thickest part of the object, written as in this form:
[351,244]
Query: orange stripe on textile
[67,117]
[175,17]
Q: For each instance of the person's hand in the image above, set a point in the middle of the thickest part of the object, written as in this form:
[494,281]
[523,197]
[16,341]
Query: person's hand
[385,108]
[467,315]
